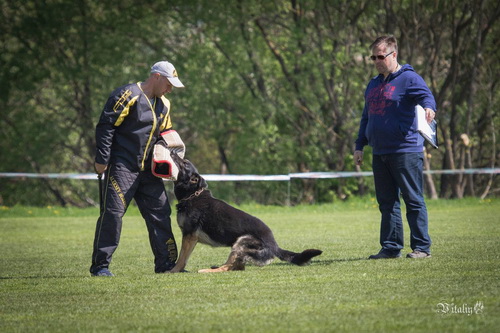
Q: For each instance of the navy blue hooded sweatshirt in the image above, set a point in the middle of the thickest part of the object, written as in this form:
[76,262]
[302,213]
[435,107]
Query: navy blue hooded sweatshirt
[388,123]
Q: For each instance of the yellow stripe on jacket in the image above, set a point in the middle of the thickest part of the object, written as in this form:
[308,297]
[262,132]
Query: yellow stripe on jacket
[125,110]
[166,122]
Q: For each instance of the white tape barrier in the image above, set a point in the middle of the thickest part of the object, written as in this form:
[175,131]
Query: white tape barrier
[49,175]
[233,178]
[214,177]
[327,175]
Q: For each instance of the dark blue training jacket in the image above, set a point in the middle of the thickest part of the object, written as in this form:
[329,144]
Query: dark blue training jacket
[129,127]
[388,123]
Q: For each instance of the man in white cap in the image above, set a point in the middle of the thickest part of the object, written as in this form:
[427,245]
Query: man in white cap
[166,69]
[133,119]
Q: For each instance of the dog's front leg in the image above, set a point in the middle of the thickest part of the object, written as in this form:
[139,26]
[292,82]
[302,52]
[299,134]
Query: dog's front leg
[188,243]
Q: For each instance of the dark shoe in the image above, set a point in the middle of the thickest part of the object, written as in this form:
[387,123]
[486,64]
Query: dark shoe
[168,269]
[418,255]
[103,272]
[385,255]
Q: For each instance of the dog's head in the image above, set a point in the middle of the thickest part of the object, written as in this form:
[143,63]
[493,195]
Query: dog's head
[188,180]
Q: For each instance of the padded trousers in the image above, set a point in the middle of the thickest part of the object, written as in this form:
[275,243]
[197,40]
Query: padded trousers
[120,187]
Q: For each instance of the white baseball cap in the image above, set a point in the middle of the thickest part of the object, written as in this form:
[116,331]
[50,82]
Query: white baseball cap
[166,69]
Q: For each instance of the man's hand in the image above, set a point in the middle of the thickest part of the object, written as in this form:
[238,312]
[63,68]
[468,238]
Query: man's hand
[100,168]
[358,157]
[429,115]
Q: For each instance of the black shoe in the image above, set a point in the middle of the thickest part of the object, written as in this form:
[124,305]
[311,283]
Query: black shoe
[385,255]
[165,268]
[169,268]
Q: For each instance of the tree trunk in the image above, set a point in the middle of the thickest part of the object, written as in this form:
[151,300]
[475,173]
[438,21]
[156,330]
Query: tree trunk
[429,182]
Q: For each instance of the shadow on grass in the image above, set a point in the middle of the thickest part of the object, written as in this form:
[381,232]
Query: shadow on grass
[331,261]
[323,262]
[40,277]
[281,263]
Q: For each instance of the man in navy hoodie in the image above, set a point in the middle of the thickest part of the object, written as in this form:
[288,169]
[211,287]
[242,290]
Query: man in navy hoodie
[388,125]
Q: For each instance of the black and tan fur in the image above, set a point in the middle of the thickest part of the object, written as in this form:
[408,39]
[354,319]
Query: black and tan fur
[205,219]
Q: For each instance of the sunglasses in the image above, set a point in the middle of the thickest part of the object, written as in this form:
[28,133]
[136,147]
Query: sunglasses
[381,57]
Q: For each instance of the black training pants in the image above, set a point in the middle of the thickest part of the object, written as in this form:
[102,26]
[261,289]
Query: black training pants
[121,185]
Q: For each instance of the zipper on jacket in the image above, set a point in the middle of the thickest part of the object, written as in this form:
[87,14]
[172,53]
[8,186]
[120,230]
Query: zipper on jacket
[152,107]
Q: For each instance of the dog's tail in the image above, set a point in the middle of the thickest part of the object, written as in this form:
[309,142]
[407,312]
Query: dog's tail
[299,259]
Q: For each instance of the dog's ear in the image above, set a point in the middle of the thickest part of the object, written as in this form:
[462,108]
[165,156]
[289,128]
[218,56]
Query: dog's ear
[194,180]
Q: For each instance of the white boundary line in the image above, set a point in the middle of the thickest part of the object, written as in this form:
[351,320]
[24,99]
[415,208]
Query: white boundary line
[215,177]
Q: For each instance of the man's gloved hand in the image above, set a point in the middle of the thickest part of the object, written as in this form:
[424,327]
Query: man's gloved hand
[100,168]
[174,142]
[163,165]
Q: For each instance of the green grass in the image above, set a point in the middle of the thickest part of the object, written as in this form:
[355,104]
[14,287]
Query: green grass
[45,285]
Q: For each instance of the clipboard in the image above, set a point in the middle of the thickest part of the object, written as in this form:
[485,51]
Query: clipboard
[426,130]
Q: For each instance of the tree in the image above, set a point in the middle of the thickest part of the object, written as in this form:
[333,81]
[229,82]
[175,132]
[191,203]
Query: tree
[272,87]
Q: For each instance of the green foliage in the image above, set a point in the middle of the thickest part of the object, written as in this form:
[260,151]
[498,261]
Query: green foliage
[46,285]
[272,87]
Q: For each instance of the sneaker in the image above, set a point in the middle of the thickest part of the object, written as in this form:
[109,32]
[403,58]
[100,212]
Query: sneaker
[418,254]
[103,272]
[385,255]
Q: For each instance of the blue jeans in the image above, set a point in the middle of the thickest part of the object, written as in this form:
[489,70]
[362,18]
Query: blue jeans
[395,175]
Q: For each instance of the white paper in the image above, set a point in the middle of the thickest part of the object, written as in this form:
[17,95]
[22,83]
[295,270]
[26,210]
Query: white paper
[428,131]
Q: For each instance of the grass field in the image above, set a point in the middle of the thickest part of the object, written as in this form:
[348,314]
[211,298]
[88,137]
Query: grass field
[45,285]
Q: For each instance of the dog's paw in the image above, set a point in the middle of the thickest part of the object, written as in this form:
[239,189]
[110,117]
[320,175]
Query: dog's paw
[215,269]
[223,268]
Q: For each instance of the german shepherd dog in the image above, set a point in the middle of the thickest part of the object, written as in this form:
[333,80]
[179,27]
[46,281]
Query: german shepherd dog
[205,219]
